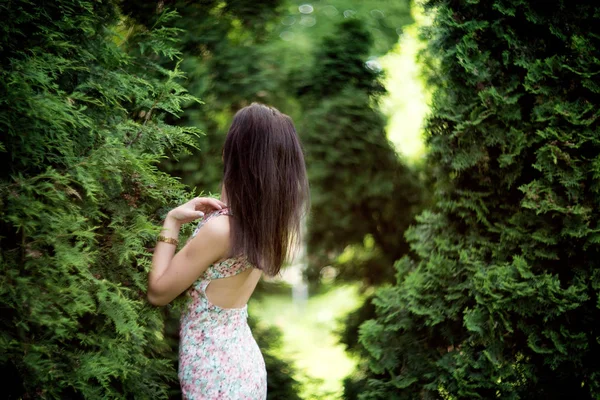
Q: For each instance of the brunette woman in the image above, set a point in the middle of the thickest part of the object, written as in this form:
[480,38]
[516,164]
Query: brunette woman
[252,230]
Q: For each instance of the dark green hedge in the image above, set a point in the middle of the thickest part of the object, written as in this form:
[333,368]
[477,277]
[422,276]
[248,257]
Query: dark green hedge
[82,106]
[502,300]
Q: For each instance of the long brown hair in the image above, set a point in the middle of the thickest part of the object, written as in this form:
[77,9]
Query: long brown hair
[266,187]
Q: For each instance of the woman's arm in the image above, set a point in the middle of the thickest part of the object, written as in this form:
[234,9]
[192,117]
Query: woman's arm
[172,273]
[163,252]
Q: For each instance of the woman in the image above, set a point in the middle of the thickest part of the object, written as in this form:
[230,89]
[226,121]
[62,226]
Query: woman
[250,232]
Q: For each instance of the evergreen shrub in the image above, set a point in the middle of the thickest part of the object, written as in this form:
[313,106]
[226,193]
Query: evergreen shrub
[82,109]
[502,299]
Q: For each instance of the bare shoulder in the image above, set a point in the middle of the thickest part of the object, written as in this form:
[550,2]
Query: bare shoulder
[211,242]
[216,230]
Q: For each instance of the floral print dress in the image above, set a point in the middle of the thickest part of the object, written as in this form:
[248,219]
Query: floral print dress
[218,356]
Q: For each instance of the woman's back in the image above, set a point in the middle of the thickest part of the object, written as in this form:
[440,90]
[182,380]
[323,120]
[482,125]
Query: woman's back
[231,281]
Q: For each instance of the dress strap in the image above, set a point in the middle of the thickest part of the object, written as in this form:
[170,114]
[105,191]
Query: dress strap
[226,268]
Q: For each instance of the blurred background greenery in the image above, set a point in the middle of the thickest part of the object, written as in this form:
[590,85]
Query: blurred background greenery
[348,73]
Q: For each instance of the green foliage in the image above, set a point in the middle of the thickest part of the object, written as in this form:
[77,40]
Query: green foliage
[82,119]
[225,61]
[307,26]
[359,185]
[502,299]
[340,63]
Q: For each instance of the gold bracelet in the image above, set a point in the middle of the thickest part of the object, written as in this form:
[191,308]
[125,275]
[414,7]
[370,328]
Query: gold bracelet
[169,240]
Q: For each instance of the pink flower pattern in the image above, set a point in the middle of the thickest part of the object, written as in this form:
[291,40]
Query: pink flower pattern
[218,356]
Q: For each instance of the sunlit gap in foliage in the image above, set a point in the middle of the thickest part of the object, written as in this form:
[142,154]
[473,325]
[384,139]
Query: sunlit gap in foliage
[407,102]
[310,338]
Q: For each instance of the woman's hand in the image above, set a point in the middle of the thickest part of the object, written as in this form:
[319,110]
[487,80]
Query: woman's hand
[195,208]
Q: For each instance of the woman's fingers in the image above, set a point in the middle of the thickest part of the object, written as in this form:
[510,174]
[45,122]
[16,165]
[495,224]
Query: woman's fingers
[209,203]
[223,205]
[214,203]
